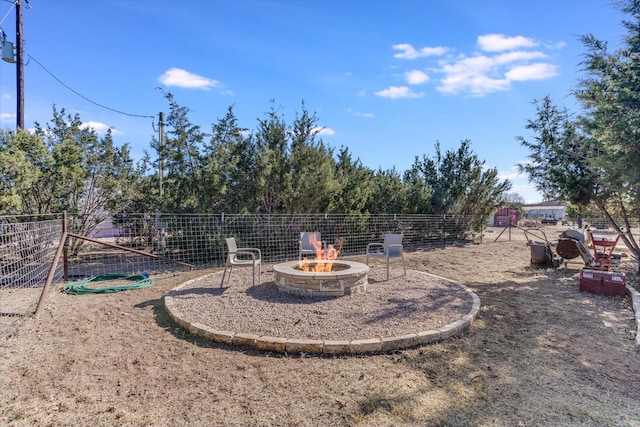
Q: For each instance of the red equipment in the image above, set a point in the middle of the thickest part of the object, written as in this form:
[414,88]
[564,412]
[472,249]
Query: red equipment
[603,251]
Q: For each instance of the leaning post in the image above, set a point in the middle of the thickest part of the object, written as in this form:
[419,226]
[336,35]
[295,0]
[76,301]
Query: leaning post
[52,272]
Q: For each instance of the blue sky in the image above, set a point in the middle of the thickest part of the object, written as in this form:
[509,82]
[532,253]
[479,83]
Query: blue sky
[388,79]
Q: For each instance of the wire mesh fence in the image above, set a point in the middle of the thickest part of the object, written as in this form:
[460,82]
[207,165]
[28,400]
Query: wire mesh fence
[27,247]
[134,243]
[199,239]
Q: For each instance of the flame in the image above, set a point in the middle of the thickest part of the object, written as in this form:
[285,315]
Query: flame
[324,258]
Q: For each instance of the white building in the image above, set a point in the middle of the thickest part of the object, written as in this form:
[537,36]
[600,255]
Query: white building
[544,213]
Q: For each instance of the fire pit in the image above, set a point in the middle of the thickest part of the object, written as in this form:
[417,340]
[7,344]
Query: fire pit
[345,278]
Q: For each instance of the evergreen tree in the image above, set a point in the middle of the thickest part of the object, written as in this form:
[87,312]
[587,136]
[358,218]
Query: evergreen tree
[456,182]
[23,161]
[389,193]
[228,168]
[560,156]
[419,192]
[273,166]
[356,185]
[180,154]
[314,186]
[66,167]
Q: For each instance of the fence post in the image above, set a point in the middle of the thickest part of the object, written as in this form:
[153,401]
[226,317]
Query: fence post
[65,250]
[52,272]
[444,231]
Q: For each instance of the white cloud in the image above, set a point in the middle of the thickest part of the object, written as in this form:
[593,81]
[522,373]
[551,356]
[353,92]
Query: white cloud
[360,114]
[556,46]
[416,77]
[477,85]
[182,78]
[520,55]
[528,192]
[324,131]
[500,42]
[538,71]
[100,128]
[481,74]
[511,174]
[409,52]
[505,59]
[520,185]
[395,92]
[7,116]
[476,75]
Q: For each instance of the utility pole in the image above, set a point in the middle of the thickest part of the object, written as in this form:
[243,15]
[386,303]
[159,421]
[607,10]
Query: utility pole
[159,223]
[161,151]
[19,68]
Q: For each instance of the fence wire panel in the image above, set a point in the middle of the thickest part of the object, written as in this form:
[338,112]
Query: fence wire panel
[200,239]
[27,248]
[131,244]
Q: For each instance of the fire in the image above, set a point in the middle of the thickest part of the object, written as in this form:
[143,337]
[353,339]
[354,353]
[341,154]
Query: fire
[324,257]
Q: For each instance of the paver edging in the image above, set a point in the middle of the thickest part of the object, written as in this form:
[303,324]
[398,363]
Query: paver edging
[333,347]
[635,303]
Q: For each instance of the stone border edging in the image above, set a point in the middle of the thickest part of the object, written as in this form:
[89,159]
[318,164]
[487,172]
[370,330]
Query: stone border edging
[635,302]
[328,347]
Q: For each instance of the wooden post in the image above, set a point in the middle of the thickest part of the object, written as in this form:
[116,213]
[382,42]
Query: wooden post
[52,272]
[19,68]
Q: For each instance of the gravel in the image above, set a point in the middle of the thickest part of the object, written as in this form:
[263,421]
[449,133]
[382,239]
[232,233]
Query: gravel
[404,304]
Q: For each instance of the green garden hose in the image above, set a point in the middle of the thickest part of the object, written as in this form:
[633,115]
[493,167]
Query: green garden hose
[81,286]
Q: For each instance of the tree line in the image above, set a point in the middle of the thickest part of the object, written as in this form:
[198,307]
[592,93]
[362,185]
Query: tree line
[278,167]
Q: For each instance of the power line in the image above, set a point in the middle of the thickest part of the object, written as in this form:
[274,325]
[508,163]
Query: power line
[84,97]
[8,12]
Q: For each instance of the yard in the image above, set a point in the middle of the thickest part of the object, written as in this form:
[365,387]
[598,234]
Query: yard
[539,353]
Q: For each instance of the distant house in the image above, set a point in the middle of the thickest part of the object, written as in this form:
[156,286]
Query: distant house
[544,214]
[105,229]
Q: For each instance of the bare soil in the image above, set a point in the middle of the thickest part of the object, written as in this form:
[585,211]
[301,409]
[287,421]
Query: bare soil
[539,353]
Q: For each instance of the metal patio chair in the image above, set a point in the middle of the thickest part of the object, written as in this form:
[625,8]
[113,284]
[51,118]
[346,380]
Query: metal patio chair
[390,248]
[242,257]
[308,243]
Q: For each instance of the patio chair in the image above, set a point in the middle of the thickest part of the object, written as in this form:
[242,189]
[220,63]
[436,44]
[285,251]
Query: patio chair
[242,257]
[309,241]
[390,248]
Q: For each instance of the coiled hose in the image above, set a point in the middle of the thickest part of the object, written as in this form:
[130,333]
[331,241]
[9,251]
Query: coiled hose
[80,287]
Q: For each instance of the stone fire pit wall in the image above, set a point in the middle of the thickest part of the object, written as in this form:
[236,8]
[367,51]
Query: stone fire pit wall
[349,278]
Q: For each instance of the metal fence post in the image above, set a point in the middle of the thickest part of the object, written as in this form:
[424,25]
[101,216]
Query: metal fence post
[65,250]
[444,231]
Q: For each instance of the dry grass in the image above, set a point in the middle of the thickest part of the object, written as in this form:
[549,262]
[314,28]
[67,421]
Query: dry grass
[540,353]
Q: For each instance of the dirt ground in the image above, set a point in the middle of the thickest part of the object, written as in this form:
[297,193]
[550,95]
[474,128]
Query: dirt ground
[539,353]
